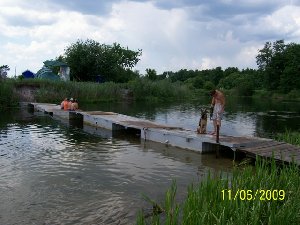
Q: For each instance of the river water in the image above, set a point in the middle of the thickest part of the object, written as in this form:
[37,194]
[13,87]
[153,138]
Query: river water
[52,172]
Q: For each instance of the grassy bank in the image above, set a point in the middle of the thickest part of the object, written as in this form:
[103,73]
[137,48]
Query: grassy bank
[139,89]
[55,91]
[7,96]
[293,95]
[289,137]
[263,194]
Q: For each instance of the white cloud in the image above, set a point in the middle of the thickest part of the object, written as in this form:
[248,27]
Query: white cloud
[171,38]
[286,20]
[208,63]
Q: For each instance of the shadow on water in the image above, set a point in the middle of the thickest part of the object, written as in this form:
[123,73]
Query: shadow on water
[63,172]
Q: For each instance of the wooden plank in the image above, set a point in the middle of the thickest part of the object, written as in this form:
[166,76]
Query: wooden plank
[271,152]
[261,149]
[254,144]
[286,159]
[280,151]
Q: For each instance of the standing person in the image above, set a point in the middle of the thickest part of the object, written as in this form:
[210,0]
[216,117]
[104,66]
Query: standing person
[218,103]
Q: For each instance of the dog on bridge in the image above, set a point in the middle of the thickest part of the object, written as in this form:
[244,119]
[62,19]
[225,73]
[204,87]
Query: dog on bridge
[201,129]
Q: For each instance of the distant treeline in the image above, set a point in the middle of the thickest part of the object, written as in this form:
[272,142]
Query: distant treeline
[278,68]
[278,74]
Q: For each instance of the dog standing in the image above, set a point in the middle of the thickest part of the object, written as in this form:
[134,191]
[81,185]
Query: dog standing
[201,129]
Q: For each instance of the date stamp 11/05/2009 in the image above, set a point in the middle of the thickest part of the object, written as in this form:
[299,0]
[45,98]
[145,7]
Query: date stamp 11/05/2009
[250,195]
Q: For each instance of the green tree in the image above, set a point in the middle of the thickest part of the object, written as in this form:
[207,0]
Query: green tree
[182,75]
[198,82]
[5,67]
[271,60]
[290,77]
[245,85]
[151,74]
[242,82]
[264,57]
[279,63]
[3,71]
[195,82]
[88,59]
[230,81]
[216,75]
[230,70]
[208,85]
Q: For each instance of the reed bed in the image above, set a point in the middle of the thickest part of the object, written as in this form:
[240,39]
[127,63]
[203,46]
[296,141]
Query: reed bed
[263,194]
[55,91]
[7,95]
[161,90]
[289,137]
[139,89]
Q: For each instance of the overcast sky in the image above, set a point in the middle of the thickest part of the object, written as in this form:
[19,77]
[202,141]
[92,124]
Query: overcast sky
[173,34]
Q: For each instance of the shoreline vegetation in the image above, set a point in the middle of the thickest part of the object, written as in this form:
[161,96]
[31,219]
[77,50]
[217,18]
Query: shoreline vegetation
[275,193]
[88,92]
[136,90]
[266,193]
[207,202]
[277,77]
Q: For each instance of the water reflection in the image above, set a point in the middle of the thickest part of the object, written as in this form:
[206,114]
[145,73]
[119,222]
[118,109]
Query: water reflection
[243,116]
[53,172]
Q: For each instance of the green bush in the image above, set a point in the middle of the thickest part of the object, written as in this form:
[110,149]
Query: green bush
[294,94]
[8,97]
[140,88]
[195,82]
[245,88]
[260,93]
[208,85]
[163,90]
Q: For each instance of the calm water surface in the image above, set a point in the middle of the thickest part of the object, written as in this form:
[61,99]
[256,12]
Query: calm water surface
[52,172]
[242,117]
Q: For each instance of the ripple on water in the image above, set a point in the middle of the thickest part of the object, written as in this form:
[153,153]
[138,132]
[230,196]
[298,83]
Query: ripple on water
[55,175]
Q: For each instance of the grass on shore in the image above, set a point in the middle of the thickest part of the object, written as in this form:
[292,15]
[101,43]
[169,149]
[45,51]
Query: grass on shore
[7,96]
[55,91]
[264,194]
[289,137]
[293,95]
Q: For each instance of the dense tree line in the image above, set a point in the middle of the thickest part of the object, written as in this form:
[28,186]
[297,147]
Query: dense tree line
[278,68]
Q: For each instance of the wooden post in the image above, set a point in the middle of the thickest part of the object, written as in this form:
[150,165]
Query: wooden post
[218,143]
[218,133]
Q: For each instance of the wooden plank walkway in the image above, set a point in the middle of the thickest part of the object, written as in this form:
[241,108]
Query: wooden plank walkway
[280,151]
[180,137]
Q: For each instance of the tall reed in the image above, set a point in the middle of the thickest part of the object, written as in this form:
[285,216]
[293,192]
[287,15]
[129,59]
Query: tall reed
[53,91]
[242,197]
[139,89]
[289,137]
[8,97]
[163,90]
